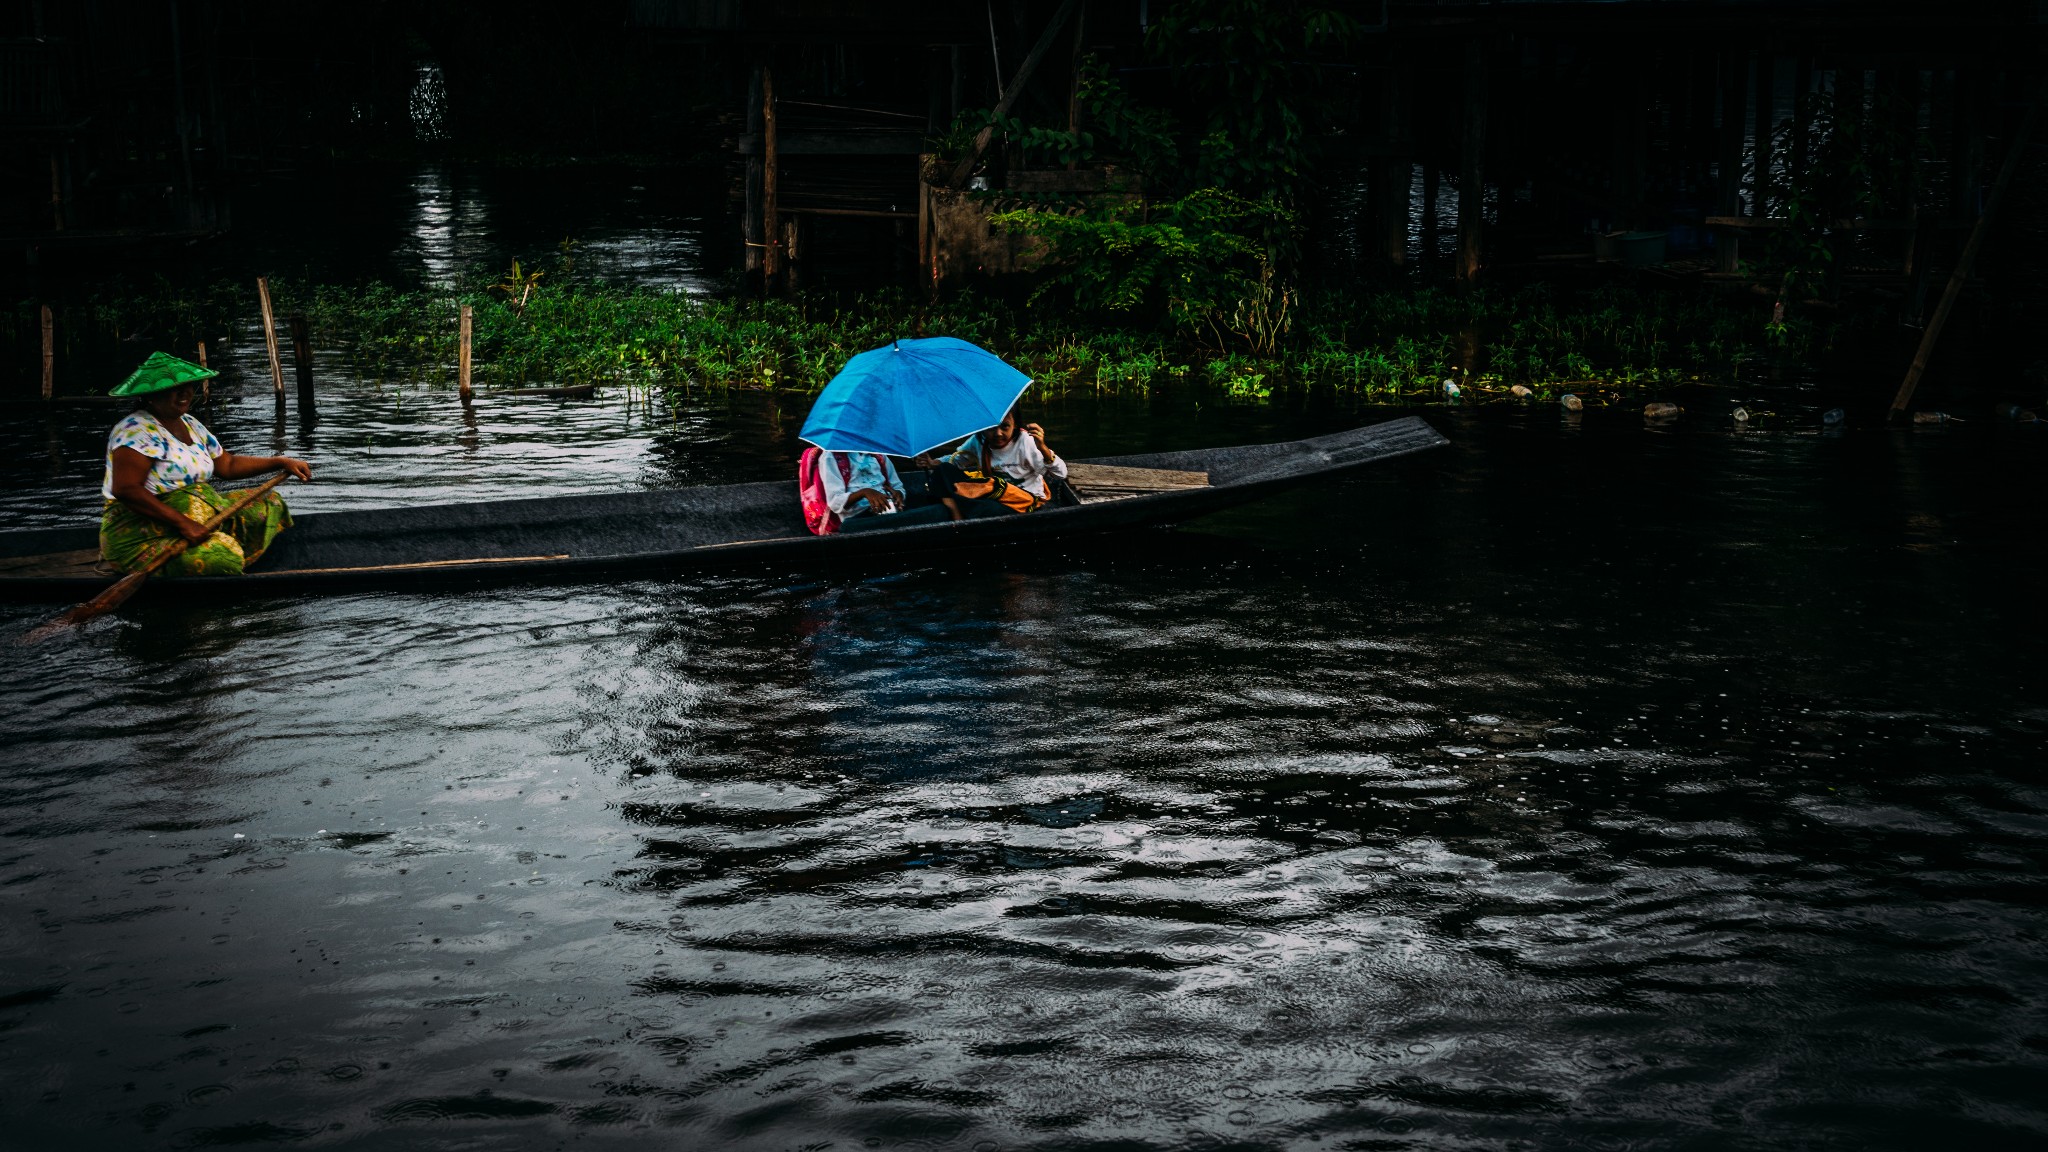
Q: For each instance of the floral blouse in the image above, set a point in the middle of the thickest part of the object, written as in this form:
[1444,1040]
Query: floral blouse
[175,464]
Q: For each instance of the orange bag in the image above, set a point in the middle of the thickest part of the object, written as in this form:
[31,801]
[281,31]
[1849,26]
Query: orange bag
[978,486]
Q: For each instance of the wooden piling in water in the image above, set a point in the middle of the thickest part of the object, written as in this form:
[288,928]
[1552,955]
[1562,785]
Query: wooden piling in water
[462,355]
[1760,158]
[1472,167]
[302,365]
[49,352]
[270,337]
[206,384]
[1429,221]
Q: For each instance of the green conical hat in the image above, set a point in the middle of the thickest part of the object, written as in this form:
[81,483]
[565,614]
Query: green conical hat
[161,371]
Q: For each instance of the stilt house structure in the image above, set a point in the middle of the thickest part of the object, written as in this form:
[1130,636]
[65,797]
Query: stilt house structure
[1478,135]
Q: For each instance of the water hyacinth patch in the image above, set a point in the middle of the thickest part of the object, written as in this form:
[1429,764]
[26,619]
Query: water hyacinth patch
[1392,343]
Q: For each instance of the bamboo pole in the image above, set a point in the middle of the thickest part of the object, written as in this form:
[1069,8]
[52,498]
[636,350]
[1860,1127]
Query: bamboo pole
[205,385]
[49,353]
[270,337]
[965,167]
[1963,263]
[462,355]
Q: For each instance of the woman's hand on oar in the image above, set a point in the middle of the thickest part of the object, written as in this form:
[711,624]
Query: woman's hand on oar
[119,592]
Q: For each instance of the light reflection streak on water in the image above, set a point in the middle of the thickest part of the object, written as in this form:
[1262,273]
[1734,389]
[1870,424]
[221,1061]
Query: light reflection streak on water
[451,226]
[397,446]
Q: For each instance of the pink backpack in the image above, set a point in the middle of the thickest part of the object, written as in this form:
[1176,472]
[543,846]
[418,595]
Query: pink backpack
[810,487]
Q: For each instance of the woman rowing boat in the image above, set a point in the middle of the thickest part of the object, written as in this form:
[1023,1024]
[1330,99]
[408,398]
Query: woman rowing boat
[160,460]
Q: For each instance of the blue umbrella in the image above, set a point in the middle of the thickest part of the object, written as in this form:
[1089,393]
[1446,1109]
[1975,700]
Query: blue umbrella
[913,396]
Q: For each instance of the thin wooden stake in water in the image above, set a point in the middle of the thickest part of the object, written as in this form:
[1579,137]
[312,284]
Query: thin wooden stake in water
[118,594]
[49,353]
[462,355]
[270,337]
[206,385]
[1963,263]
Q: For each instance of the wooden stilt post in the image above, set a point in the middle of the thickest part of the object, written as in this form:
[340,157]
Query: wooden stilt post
[1627,152]
[205,385]
[1728,182]
[1396,172]
[1760,161]
[2013,149]
[771,215]
[1074,78]
[1472,169]
[302,365]
[270,337]
[1966,145]
[1429,222]
[49,353]
[462,355]
[1802,112]
[753,237]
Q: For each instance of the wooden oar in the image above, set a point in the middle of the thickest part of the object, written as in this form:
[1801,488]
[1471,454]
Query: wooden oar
[119,592]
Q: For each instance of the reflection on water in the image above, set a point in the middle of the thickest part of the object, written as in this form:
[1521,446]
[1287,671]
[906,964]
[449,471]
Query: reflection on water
[399,447]
[1585,787]
[441,221]
[450,229]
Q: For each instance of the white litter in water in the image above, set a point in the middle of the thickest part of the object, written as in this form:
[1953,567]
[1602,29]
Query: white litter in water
[238,836]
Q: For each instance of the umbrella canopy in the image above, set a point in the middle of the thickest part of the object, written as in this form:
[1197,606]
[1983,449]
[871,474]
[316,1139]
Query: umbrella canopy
[913,396]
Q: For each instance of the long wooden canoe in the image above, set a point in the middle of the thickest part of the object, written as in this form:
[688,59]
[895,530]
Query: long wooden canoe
[684,529]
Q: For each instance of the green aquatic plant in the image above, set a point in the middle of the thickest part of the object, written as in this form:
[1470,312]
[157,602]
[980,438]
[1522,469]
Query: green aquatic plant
[521,285]
[1379,343]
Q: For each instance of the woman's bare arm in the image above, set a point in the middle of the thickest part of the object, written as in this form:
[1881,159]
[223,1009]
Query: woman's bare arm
[229,466]
[131,469]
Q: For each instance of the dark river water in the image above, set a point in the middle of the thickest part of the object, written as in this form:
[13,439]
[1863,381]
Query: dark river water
[1575,786]
[1579,785]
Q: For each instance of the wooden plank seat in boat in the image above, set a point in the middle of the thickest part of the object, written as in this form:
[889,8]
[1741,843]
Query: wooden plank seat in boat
[1113,482]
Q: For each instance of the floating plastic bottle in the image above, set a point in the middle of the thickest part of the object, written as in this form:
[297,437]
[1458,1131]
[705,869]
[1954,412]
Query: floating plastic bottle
[1741,415]
[1451,389]
[1833,417]
[1571,402]
[1661,410]
[1523,391]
